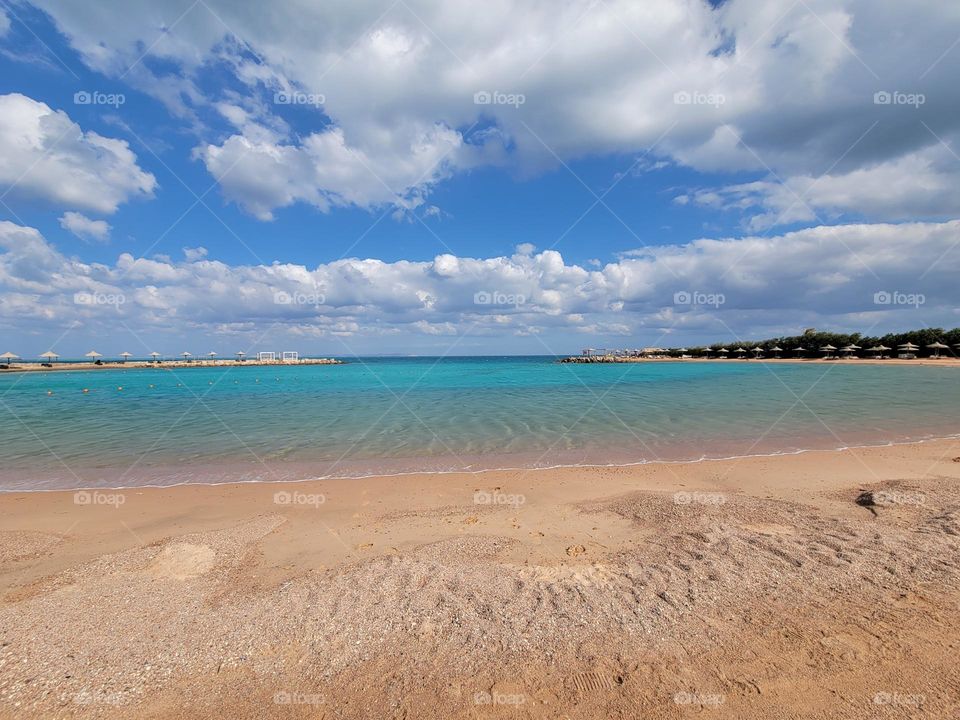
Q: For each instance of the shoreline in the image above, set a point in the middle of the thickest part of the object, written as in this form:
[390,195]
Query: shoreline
[161,365]
[949,438]
[613,360]
[578,592]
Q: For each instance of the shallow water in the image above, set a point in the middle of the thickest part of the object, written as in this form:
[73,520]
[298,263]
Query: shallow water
[395,415]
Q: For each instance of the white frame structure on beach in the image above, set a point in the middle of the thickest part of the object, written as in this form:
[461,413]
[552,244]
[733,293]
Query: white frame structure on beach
[290,356]
[266,355]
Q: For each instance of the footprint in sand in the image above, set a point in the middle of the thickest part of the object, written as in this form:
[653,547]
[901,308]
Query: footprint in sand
[576,550]
[182,561]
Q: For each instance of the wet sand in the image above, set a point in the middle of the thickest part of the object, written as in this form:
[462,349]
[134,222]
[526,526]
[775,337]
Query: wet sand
[750,588]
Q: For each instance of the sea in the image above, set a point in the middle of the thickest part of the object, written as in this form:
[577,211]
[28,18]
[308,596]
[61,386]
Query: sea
[393,416]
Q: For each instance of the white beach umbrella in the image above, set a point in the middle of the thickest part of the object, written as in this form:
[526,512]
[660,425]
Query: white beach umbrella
[937,347]
[155,356]
[8,356]
[49,355]
[186,355]
[93,355]
[240,355]
[126,356]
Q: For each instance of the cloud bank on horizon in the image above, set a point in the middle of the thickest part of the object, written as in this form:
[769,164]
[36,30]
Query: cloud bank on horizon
[817,140]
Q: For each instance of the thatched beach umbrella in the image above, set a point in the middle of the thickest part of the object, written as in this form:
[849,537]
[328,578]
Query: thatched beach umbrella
[758,351]
[827,349]
[240,356]
[723,351]
[740,352]
[776,350]
[186,356]
[907,349]
[937,347]
[49,356]
[8,356]
[126,356]
[155,356]
[212,355]
[93,355]
[800,351]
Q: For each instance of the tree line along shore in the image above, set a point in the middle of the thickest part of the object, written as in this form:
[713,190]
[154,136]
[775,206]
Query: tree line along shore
[926,343]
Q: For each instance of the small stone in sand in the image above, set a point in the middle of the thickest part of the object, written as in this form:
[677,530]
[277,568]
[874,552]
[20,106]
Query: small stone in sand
[575,550]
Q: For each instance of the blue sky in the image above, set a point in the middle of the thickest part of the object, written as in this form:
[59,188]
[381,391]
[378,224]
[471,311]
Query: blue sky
[632,155]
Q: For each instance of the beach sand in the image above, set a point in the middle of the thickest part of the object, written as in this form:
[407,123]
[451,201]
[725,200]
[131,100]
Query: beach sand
[752,588]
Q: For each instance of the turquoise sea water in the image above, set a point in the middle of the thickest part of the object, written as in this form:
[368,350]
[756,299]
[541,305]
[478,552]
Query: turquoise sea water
[393,415]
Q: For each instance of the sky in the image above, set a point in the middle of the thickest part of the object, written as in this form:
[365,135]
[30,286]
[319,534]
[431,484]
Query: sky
[507,177]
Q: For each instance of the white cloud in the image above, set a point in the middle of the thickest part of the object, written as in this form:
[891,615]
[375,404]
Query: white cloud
[85,228]
[4,23]
[823,276]
[770,84]
[44,154]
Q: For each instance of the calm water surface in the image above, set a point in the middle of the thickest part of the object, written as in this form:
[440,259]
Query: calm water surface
[384,415]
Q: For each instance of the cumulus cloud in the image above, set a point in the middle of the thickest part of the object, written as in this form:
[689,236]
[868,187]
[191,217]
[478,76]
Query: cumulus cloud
[85,228]
[44,154]
[827,276]
[758,86]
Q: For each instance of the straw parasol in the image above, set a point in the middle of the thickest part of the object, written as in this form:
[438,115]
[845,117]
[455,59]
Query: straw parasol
[828,349]
[212,355]
[776,350]
[799,351]
[240,356]
[49,355]
[186,356]
[8,356]
[125,356]
[155,356]
[758,351]
[93,355]
[937,347]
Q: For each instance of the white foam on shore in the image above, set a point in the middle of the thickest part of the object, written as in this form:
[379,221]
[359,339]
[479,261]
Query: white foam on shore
[533,468]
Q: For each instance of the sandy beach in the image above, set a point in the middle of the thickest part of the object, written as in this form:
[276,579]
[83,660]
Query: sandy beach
[752,588]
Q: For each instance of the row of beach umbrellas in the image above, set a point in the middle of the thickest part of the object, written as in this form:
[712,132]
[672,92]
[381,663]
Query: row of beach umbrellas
[50,356]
